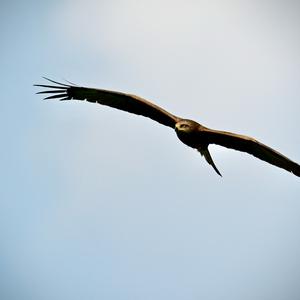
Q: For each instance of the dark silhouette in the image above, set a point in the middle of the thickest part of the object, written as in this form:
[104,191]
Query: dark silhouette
[189,132]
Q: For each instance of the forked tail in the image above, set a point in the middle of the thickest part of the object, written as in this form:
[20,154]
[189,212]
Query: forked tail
[204,152]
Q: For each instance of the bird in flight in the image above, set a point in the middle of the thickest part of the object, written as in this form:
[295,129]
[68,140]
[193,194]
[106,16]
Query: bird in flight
[188,131]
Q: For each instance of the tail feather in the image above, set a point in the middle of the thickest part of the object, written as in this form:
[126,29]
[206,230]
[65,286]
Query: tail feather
[204,152]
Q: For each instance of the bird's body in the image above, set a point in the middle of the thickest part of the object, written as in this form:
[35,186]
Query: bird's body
[188,131]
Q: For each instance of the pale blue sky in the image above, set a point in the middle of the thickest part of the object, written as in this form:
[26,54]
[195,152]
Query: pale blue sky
[100,204]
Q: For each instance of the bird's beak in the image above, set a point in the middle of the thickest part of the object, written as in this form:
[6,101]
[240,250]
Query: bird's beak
[176,127]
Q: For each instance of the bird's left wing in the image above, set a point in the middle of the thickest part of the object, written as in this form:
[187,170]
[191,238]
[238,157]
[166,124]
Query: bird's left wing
[251,146]
[118,100]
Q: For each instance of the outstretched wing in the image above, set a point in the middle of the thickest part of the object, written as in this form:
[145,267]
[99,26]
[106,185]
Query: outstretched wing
[122,101]
[251,146]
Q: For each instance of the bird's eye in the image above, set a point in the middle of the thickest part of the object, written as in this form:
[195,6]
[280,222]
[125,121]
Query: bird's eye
[184,126]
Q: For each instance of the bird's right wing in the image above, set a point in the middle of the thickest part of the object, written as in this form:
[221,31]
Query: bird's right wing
[118,100]
[250,145]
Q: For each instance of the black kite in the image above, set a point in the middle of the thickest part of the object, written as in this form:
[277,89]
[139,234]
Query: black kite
[189,132]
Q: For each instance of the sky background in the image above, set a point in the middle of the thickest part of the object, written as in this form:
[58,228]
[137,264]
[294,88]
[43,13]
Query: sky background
[100,204]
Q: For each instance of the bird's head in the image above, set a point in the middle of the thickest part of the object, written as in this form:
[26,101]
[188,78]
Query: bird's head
[186,126]
[187,131]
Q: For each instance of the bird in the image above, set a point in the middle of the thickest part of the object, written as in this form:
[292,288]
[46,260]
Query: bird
[189,132]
